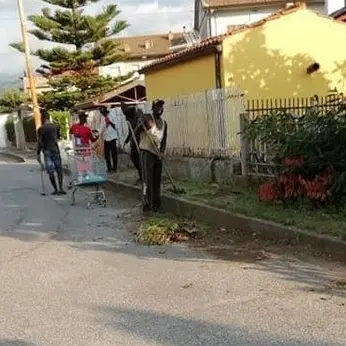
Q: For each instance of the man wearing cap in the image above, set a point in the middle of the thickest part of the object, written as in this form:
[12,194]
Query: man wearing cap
[110,136]
[153,141]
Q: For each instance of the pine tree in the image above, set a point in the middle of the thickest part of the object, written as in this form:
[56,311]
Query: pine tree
[83,44]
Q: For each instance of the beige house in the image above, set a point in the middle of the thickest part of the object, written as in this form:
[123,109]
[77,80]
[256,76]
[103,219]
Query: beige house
[140,51]
[41,84]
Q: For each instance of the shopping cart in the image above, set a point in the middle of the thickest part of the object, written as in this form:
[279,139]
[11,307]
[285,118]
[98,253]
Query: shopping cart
[87,170]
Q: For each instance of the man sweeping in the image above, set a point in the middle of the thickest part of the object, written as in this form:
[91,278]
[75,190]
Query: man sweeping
[48,136]
[153,141]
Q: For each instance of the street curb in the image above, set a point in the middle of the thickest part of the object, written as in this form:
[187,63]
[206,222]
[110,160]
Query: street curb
[221,218]
[266,230]
[18,158]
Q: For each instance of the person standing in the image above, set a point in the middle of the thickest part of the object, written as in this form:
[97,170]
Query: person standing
[153,141]
[82,133]
[48,135]
[110,137]
[132,115]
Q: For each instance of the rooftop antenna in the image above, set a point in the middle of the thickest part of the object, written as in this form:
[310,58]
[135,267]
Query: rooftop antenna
[191,37]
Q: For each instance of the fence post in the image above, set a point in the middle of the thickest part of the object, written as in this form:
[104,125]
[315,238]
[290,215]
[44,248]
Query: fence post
[243,144]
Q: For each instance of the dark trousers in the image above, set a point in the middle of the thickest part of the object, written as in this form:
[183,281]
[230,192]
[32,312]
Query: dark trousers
[111,154]
[135,159]
[151,172]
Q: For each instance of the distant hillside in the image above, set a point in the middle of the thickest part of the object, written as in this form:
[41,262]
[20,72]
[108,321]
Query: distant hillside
[9,81]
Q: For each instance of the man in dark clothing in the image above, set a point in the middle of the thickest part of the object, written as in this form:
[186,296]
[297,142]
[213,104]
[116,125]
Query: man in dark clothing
[132,115]
[48,135]
[153,141]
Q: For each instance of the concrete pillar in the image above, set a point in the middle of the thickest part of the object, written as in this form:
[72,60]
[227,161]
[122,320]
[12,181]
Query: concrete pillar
[19,131]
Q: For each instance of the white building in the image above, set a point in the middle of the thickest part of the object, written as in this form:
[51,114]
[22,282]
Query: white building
[216,17]
[142,50]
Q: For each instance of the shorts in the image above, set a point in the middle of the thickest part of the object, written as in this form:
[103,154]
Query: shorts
[52,161]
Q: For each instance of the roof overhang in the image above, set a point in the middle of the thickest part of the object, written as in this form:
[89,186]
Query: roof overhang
[252,3]
[214,44]
[177,58]
[130,92]
[339,14]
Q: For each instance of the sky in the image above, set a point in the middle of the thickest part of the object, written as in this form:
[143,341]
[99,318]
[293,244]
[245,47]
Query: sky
[144,16]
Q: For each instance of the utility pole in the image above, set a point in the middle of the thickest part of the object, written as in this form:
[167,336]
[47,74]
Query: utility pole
[37,115]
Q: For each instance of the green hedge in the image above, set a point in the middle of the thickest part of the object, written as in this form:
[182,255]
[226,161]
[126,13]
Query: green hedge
[11,134]
[61,119]
[29,130]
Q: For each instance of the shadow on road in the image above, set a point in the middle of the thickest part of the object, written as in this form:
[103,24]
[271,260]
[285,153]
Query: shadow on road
[164,329]
[27,216]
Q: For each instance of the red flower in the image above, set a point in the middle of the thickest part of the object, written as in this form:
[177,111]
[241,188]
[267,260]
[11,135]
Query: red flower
[267,192]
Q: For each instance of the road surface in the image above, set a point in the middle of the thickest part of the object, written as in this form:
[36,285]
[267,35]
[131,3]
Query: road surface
[70,276]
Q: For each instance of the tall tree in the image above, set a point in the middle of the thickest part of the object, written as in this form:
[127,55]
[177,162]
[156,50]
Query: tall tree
[83,44]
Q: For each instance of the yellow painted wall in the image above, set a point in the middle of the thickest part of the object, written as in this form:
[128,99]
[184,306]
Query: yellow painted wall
[271,60]
[187,77]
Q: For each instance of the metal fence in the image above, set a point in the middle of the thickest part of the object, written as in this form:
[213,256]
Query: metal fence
[256,156]
[297,106]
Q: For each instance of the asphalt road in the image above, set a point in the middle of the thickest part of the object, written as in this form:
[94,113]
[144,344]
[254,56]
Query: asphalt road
[71,276]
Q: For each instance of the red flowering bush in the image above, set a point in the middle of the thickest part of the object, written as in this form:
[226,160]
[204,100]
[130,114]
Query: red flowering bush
[309,154]
[268,192]
[291,186]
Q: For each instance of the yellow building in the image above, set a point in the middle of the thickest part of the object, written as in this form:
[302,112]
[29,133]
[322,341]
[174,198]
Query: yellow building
[293,53]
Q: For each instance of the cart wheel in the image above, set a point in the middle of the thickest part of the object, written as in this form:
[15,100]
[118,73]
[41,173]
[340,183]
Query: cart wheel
[104,204]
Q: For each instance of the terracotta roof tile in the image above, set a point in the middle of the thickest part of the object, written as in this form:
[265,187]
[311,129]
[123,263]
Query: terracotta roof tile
[234,28]
[214,41]
[151,46]
[339,14]
[229,3]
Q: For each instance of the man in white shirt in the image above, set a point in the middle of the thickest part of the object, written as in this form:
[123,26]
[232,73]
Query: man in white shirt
[110,136]
[153,142]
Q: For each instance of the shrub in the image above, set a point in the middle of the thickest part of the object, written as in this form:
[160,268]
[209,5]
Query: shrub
[29,130]
[61,120]
[11,134]
[308,154]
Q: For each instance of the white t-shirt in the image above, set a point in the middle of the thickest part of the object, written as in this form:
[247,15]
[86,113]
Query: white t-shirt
[109,133]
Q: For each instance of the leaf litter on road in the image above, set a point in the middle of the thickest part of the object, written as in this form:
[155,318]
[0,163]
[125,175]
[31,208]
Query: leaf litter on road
[160,231]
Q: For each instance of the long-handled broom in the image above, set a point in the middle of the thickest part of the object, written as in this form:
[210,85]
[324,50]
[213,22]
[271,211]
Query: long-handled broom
[175,189]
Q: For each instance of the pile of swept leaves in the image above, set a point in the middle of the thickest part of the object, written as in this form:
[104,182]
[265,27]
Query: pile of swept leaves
[162,231]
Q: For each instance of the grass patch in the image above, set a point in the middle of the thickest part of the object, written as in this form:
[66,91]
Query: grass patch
[160,231]
[243,200]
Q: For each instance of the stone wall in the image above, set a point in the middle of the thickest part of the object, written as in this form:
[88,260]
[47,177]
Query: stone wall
[194,168]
